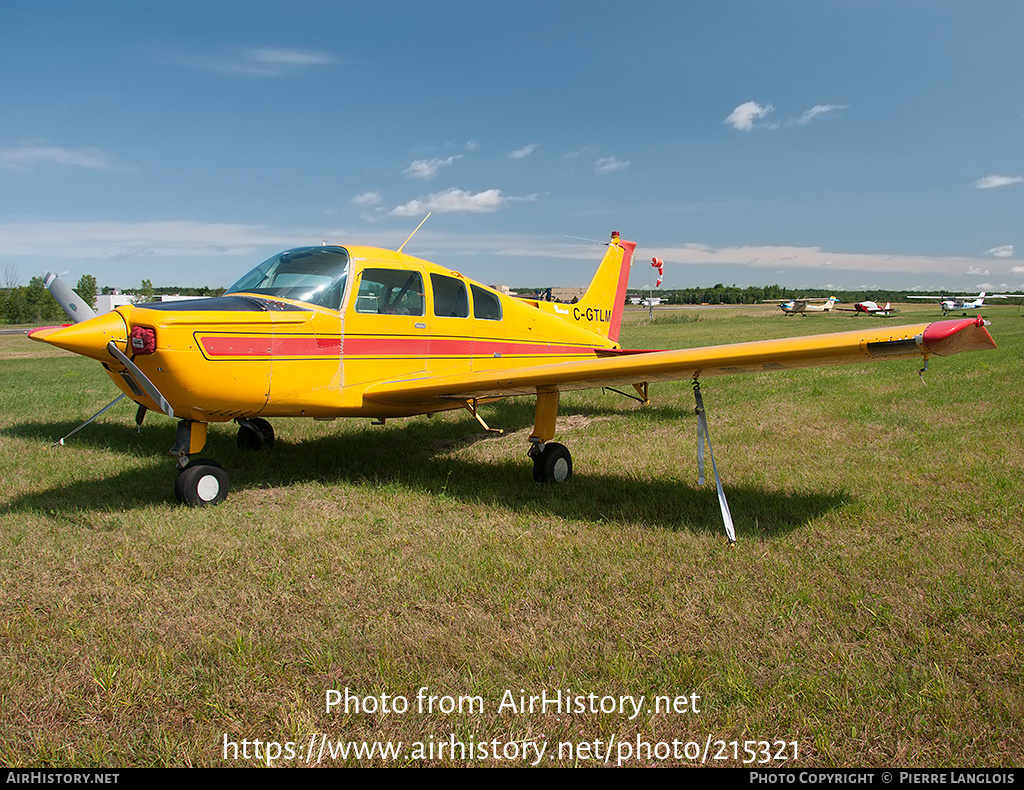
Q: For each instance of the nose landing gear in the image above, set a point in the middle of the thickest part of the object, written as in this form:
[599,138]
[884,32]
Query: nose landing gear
[200,483]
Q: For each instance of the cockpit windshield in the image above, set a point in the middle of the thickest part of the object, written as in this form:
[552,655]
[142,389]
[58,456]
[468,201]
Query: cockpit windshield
[315,275]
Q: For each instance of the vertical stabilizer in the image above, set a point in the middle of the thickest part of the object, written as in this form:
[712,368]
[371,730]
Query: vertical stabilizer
[600,309]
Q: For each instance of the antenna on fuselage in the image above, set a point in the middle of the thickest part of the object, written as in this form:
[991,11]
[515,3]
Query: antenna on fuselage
[414,232]
[581,238]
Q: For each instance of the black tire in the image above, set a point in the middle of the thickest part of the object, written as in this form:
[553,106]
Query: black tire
[203,482]
[553,465]
[260,435]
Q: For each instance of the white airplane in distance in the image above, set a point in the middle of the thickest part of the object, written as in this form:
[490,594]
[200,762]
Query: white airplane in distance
[646,301]
[953,304]
[871,308]
[803,305]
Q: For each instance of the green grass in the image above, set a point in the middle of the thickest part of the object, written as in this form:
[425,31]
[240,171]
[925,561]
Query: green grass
[870,610]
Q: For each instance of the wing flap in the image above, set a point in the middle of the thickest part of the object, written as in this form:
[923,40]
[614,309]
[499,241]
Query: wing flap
[941,338]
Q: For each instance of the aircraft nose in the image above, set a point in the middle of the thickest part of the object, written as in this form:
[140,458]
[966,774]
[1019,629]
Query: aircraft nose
[88,338]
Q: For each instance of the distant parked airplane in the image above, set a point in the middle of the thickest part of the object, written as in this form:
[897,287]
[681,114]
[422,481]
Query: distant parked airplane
[953,304]
[871,308]
[794,306]
[645,301]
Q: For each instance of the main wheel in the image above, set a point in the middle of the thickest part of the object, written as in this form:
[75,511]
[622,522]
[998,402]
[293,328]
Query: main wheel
[203,482]
[255,434]
[553,465]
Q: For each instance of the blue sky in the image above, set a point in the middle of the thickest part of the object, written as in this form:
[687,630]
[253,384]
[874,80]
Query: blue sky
[847,144]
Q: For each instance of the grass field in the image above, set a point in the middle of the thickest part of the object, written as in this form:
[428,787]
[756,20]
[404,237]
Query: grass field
[869,614]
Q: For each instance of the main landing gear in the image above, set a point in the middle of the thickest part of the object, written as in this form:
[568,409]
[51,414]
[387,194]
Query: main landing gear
[552,462]
[254,433]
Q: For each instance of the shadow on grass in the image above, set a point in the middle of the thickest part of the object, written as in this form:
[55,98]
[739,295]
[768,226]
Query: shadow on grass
[424,456]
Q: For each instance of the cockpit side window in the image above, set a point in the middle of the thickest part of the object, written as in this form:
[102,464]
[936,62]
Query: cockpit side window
[390,292]
[486,305]
[450,297]
[316,275]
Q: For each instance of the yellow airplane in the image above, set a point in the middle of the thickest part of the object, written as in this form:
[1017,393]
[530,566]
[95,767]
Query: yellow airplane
[352,331]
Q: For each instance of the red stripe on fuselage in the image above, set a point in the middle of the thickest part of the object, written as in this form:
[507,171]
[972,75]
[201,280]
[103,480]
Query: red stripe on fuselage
[263,346]
[313,347]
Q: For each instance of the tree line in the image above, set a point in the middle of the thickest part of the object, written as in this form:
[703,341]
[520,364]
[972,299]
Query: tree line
[733,294]
[34,304]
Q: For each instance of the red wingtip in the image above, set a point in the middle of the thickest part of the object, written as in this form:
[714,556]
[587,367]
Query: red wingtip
[951,337]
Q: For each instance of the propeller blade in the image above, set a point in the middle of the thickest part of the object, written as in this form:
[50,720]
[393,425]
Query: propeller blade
[72,304]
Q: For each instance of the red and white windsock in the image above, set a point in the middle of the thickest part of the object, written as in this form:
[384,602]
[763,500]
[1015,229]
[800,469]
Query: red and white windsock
[659,264]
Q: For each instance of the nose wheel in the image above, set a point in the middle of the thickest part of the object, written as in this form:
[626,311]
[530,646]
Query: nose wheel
[200,483]
[552,462]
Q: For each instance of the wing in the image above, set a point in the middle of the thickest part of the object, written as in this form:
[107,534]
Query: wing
[940,338]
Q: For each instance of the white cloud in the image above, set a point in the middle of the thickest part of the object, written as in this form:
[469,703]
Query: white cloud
[1002,251]
[209,253]
[769,257]
[525,151]
[609,164]
[744,116]
[26,156]
[104,240]
[585,151]
[817,111]
[258,61]
[288,58]
[367,199]
[990,182]
[453,201]
[426,169]
[975,271]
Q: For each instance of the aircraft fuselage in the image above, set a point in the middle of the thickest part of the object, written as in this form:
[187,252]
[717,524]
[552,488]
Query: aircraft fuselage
[395,319]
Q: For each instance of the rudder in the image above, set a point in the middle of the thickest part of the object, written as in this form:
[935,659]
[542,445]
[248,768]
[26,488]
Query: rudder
[600,309]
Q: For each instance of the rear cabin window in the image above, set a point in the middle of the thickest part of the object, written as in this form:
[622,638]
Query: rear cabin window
[486,305]
[450,297]
[390,292]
